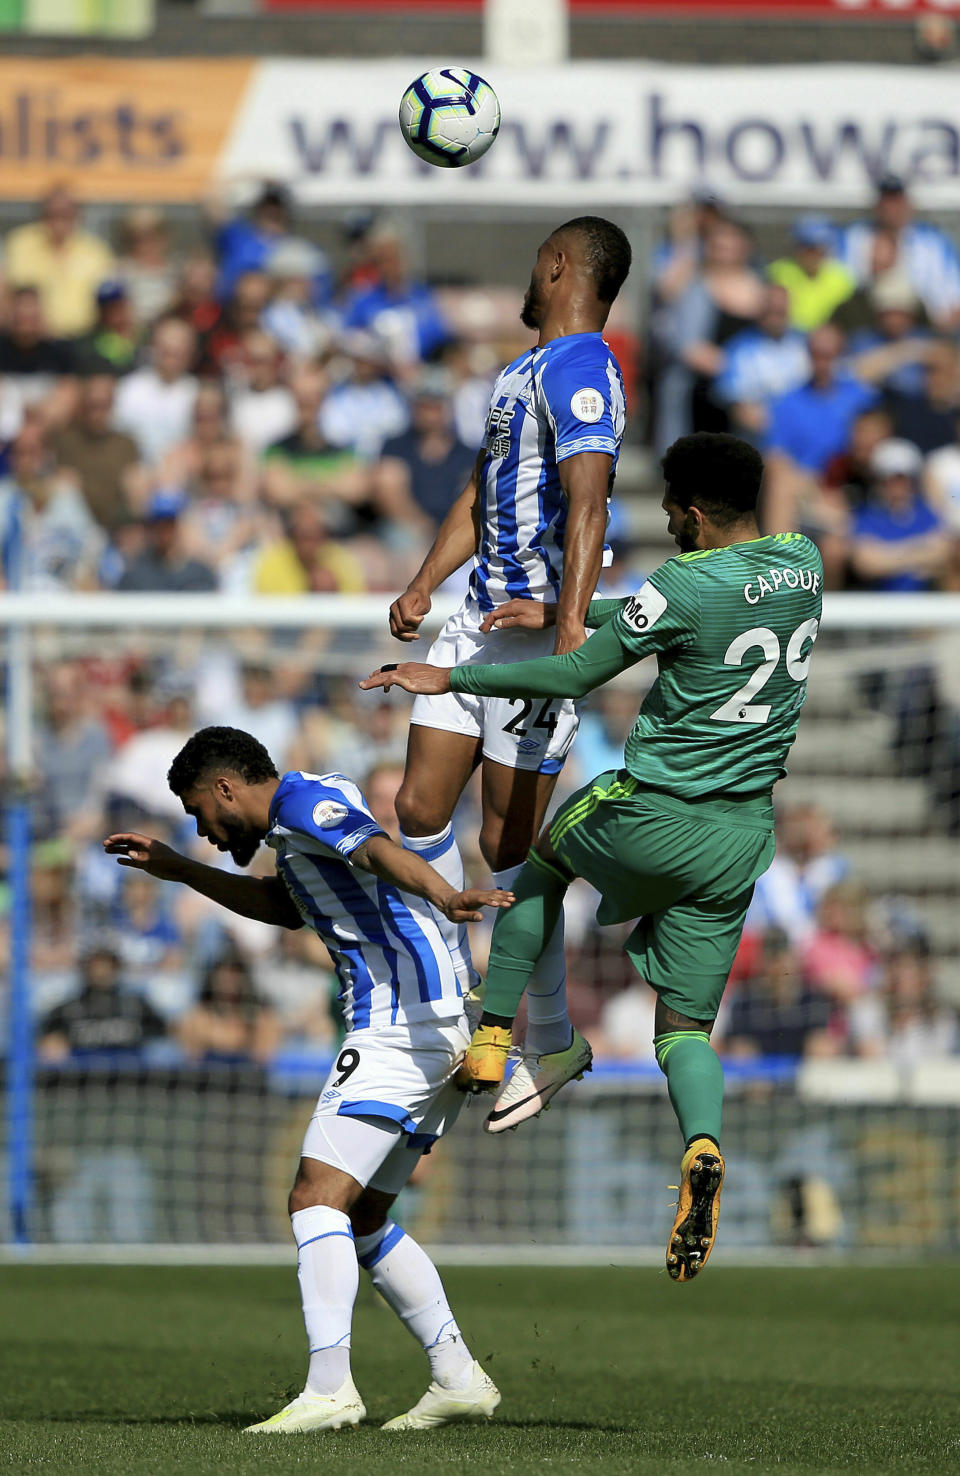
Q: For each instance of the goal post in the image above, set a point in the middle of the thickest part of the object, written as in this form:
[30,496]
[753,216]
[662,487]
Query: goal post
[167,1150]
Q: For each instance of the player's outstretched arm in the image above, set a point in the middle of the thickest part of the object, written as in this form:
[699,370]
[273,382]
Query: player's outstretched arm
[601,657]
[535,615]
[409,872]
[264,898]
[456,541]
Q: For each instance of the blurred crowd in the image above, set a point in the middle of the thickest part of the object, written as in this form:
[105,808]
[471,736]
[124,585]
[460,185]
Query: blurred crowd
[839,359]
[253,416]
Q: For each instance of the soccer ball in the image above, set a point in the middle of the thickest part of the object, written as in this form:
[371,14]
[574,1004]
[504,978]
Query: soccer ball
[449,117]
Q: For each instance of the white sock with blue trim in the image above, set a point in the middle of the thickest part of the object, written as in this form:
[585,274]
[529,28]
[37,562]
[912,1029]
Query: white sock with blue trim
[409,1282]
[548,1023]
[443,854]
[329,1277]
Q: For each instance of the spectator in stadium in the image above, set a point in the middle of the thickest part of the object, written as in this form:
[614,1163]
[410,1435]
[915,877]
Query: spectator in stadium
[155,404]
[364,408]
[839,958]
[903,1021]
[195,302]
[262,407]
[144,930]
[164,566]
[105,462]
[221,518]
[146,266]
[246,243]
[761,363]
[40,367]
[104,1017]
[892,351]
[230,1023]
[64,262]
[777,1012]
[304,464]
[942,493]
[380,789]
[134,786]
[925,254]
[72,744]
[815,282]
[242,313]
[811,424]
[725,296]
[807,863]
[111,345]
[858,310]
[929,419]
[625,1028]
[848,473]
[291,317]
[421,472]
[210,429]
[255,702]
[898,542]
[48,536]
[397,309]
[678,256]
[306,560]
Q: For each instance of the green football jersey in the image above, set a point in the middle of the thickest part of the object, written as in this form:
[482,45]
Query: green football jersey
[733,630]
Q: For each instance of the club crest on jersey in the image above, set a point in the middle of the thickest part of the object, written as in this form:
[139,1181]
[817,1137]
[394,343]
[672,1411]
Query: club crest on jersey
[644,609]
[498,430]
[587,405]
[328,813]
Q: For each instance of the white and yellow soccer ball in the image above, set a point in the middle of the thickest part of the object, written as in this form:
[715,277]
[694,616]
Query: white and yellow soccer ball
[449,117]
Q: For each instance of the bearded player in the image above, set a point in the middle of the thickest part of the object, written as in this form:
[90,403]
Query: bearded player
[678,836]
[532,519]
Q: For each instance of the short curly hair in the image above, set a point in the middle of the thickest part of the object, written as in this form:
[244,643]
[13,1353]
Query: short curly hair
[606,252]
[230,750]
[720,473]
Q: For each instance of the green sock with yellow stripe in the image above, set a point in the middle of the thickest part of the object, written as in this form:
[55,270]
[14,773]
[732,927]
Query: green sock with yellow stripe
[694,1080]
[521,933]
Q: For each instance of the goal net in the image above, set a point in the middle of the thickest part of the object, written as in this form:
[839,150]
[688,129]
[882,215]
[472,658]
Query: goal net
[163,1057]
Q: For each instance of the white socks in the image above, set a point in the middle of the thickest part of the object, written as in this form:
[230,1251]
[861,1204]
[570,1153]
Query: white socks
[410,1283]
[548,1024]
[329,1276]
[443,854]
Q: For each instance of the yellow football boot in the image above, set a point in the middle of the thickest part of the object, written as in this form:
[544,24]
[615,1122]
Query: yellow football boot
[698,1209]
[485,1060]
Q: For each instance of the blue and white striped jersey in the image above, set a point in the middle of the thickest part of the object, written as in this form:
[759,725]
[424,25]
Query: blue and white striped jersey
[392,963]
[549,404]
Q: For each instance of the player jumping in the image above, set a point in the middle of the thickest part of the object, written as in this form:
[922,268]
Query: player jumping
[390,1094]
[679,836]
[533,519]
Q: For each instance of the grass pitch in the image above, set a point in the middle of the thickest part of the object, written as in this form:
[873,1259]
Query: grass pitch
[135,1370]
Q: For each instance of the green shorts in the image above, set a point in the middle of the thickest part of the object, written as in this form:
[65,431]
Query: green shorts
[686,868]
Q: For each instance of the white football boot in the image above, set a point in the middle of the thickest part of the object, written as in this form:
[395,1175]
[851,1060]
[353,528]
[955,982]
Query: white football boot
[314,1412]
[535,1080]
[440,1406]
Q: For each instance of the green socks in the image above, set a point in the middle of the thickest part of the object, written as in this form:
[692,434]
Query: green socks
[521,933]
[694,1081]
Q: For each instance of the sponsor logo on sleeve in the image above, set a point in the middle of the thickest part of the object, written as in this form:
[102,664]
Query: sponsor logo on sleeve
[588,405]
[644,609]
[328,813]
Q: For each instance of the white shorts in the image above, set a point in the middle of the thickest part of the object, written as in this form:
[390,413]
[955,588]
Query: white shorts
[520,732]
[398,1083]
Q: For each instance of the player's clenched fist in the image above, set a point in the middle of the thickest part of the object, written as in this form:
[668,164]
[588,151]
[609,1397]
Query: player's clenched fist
[412,676]
[406,615]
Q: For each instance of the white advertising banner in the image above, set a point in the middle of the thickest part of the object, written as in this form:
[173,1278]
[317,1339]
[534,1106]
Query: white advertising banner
[617,133]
